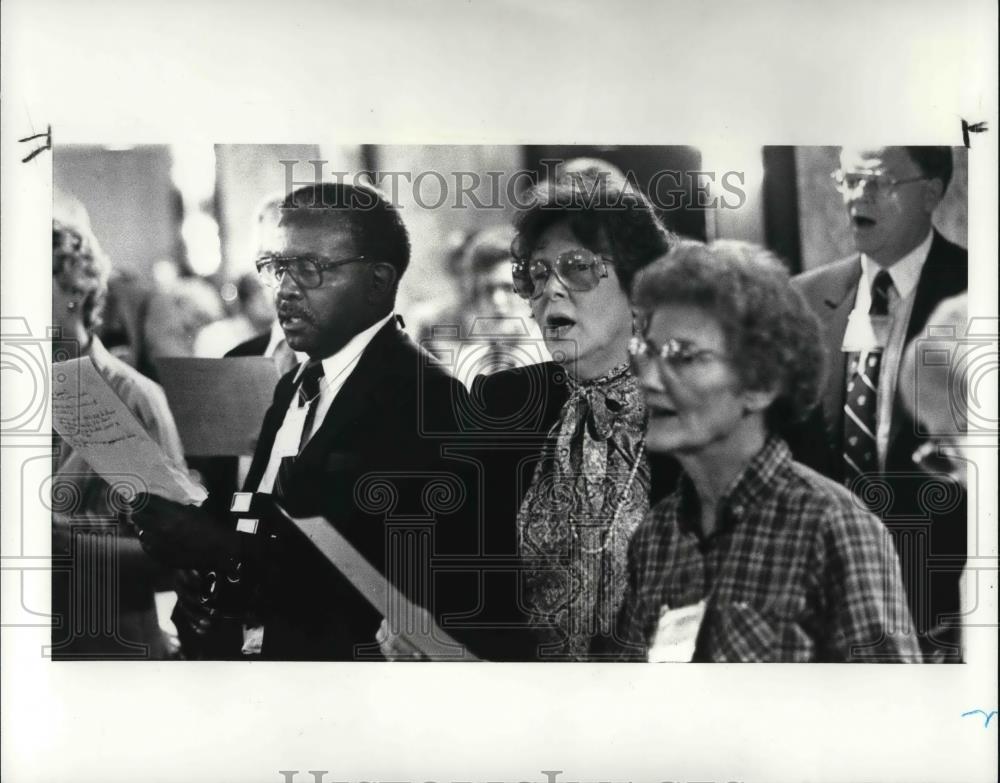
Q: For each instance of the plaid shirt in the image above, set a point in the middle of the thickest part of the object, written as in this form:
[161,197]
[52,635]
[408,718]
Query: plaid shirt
[795,571]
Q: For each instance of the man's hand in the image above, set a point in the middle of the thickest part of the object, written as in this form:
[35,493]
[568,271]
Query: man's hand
[181,536]
[193,609]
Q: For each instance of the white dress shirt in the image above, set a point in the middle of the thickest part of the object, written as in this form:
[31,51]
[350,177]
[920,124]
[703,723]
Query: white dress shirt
[277,338]
[336,370]
[905,275]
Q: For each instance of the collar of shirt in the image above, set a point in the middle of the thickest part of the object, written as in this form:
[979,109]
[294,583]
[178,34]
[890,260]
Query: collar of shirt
[905,273]
[344,360]
[755,481]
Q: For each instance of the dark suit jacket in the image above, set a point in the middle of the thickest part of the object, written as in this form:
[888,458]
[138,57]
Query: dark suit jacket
[370,469]
[515,410]
[930,531]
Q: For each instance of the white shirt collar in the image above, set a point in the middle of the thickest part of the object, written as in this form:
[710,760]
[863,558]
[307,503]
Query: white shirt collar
[905,273]
[345,359]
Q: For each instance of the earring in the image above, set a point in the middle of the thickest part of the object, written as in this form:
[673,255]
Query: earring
[71,306]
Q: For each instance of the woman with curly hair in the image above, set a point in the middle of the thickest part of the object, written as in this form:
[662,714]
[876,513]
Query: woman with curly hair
[572,485]
[104,604]
[753,557]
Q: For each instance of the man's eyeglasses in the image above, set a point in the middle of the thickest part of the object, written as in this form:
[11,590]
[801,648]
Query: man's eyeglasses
[306,271]
[678,354]
[873,182]
[577,270]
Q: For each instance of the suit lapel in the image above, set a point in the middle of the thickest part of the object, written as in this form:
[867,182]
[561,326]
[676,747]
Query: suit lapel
[356,395]
[269,429]
[838,304]
[944,274]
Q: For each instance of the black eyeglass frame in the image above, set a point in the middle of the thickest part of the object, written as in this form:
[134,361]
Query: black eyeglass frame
[283,264]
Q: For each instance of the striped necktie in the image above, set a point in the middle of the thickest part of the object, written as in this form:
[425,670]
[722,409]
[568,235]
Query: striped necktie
[860,447]
[308,394]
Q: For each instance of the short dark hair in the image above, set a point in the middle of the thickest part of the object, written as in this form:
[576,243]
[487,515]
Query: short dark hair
[79,264]
[376,225]
[771,334]
[933,162]
[602,211]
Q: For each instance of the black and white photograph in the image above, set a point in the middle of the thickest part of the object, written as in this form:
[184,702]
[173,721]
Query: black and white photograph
[350,431]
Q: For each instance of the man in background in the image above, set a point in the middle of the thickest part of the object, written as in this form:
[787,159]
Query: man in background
[871,304]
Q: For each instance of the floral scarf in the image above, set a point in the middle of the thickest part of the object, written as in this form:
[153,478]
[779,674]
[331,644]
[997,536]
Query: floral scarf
[589,493]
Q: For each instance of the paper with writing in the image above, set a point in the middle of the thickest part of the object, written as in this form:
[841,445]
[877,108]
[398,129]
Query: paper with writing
[92,419]
[219,404]
[376,589]
[677,633]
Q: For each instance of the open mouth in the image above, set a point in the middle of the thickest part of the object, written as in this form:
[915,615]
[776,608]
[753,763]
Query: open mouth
[862,222]
[558,326]
[291,320]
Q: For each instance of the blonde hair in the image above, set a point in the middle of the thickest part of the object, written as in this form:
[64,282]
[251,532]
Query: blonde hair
[80,266]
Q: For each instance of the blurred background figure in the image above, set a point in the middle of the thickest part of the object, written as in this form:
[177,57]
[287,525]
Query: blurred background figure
[104,602]
[177,312]
[498,330]
[933,380]
[441,317]
[254,317]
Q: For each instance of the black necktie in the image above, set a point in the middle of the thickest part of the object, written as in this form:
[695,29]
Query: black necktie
[860,445]
[308,394]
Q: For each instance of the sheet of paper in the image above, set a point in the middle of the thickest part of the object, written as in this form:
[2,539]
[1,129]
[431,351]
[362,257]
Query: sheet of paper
[218,404]
[88,414]
[435,643]
[676,634]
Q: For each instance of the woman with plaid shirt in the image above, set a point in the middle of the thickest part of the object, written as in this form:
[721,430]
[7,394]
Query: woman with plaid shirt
[753,557]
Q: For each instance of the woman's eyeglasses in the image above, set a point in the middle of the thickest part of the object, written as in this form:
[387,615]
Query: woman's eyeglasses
[577,270]
[677,354]
[306,271]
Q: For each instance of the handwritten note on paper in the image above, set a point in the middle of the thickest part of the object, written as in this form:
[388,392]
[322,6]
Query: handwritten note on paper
[92,419]
[218,404]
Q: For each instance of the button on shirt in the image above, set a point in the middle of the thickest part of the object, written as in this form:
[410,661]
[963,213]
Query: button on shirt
[905,275]
[794,572]
[336,370]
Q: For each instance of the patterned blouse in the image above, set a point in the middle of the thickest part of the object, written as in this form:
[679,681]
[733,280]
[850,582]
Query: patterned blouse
[796,571]
[589,493]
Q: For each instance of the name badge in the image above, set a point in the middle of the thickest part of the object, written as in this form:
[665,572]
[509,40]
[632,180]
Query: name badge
[866,332]
[676,634]
[286,442]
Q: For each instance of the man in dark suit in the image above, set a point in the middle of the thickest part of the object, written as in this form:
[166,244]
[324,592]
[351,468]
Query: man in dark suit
[871,304]
[355,434]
